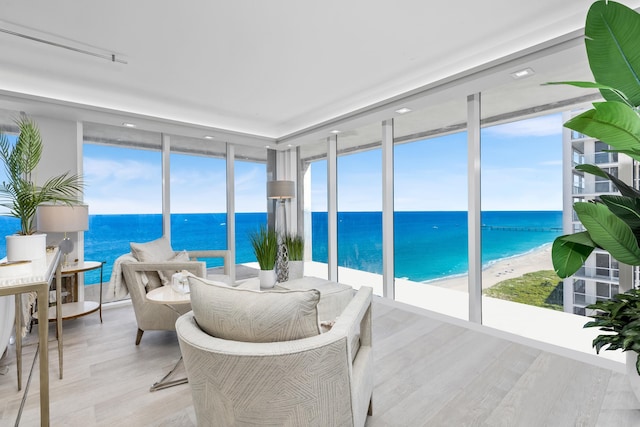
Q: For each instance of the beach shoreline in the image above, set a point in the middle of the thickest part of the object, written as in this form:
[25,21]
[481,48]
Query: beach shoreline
[503,269]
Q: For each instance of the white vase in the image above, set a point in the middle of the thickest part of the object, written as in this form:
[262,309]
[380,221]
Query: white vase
[267,278]
[632,373]
[296,270]
[28,248]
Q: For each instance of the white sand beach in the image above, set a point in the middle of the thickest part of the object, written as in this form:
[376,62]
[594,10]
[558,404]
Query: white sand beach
[536,260]
[509,268]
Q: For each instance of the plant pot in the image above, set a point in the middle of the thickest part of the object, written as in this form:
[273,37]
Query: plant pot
[32,248]
[267,278]
[296,270]
[632,373]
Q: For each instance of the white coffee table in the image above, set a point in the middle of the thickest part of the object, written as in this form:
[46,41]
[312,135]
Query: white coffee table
[168,296]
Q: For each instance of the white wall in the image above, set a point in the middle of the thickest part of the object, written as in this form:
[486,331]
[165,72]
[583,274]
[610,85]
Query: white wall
[62,152]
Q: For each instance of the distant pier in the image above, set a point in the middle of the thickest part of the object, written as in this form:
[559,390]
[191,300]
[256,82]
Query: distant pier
[510,228]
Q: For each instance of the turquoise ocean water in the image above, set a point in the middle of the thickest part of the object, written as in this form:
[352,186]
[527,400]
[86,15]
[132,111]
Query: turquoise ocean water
[428,245]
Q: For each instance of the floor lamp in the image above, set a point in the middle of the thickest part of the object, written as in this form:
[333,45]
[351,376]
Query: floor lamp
[281,191]
[63,219]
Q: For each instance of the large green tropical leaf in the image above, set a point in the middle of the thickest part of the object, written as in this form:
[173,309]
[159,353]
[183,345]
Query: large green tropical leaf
[609,232]
[612,33]
[625,208]
[615,123]
[569,252]
[623,188]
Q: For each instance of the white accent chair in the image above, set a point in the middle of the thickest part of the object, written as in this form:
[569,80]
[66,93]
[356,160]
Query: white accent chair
[152,316]
[322,380]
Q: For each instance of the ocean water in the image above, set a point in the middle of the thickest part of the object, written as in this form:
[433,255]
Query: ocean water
[429,245]
[433,245]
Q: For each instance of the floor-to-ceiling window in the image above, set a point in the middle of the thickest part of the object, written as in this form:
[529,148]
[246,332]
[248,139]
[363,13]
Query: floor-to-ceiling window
[359,182]
[250,199]
[314,167]
[124,194]
[430,203]
[522,210]
[198,200]
[522,203]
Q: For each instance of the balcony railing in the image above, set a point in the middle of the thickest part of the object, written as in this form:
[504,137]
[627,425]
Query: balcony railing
[597,187]
[596,158]
[610,275]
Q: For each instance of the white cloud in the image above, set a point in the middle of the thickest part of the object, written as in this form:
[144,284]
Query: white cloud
[251,189]
[107,170]
[248,179]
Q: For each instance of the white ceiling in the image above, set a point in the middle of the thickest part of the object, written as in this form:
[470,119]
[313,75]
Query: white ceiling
[275,69]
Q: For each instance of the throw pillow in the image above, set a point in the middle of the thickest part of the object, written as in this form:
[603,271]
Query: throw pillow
[253,316]
[155,251]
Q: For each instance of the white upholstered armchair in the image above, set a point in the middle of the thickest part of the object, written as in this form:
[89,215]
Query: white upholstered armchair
[152,316]
[322,380]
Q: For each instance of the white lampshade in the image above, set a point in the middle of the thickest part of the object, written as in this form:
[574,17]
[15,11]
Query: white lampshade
[281,189]
[62,218]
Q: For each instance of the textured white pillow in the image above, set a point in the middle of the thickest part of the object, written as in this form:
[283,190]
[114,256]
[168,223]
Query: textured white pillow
[155,251]
[252,316]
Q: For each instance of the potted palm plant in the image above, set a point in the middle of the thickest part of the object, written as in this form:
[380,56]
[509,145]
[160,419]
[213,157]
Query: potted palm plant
[21,195]
[265,247]
[295,249]
[612,222]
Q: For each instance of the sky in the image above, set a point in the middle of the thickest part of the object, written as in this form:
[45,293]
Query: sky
[122,181]
[521,165]
[521,170]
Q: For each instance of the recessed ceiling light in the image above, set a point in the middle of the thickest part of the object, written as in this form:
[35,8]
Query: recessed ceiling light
[267,146]
[289,145]
[128,125]
[403,110]
[336,131]
[208,137]
[523,73]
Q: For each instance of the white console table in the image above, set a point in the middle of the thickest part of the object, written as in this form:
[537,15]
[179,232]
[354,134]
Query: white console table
[39,284]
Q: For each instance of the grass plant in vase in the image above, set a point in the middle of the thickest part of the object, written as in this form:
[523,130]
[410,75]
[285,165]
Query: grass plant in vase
[295,247]
[265,247]
[21,195]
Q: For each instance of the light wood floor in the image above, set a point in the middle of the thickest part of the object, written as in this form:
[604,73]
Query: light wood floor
[428,373]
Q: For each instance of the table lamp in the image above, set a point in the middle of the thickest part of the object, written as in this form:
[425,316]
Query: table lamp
[63,219]
[281,191]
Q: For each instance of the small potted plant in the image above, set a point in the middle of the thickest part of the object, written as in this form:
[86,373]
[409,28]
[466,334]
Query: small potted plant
[265,247]
[619,319]
[20,194]
[295,249]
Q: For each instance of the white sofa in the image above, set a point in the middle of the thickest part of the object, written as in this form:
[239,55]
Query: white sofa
[321,380]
